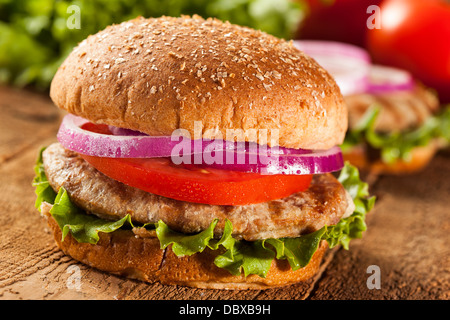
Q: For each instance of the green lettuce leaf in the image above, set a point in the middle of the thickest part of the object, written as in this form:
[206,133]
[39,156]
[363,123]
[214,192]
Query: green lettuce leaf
[43,190]
[251,257]
[183,244]
[353,226]
[83,227]
[298,251]
[236,256]
[398,145]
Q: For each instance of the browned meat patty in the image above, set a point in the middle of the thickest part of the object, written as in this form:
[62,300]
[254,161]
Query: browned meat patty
[399,111]
[324,203]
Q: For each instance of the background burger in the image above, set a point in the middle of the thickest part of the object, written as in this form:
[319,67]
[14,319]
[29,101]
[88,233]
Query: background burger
[116,200]
[395,131]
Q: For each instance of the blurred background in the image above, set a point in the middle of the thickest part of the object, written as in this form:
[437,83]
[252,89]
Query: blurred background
[34,37]
[414,35]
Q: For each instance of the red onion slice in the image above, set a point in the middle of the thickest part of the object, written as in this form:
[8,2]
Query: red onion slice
[244,157]
[250,147]
[388,79]
[348,64]
[124,132]
[315,162]
[74,138]
[125,143]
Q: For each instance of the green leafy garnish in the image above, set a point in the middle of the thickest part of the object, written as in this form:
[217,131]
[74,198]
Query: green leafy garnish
[44,191]
[351,227]
[236,256]
[397,145]
[298,251]
[183,244]
[83,227]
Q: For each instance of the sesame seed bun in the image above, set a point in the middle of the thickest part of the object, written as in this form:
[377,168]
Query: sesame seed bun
[161,74]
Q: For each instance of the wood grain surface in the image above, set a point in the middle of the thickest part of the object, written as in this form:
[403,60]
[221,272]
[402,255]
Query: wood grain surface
[407,237]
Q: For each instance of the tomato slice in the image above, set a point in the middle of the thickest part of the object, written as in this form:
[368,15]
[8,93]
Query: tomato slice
[200,185]
[194,183]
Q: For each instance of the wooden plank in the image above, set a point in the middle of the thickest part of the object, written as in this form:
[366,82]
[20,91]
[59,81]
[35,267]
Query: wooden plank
[26,118]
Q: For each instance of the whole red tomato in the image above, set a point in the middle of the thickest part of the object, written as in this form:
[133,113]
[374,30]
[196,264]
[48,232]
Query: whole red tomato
[415,35]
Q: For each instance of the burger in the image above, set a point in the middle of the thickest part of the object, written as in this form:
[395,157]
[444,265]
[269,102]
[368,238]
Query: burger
[395,131]
[198,153]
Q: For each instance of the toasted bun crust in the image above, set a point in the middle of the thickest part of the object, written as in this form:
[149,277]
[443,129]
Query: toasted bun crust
[161,74]
[420,158]
[126,254]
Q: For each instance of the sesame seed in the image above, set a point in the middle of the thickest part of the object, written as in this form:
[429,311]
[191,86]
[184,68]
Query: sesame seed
[259,76]
[276,74]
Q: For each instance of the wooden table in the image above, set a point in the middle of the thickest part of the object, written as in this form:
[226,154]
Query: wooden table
[406,241]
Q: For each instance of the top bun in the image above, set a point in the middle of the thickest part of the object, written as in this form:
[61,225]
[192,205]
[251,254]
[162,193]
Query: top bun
[161,74]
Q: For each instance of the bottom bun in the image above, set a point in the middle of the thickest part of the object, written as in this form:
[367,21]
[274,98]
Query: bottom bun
[124,253]
[420,157]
